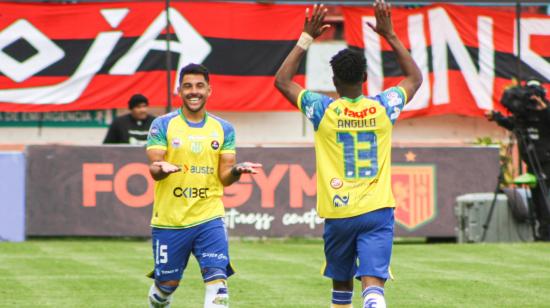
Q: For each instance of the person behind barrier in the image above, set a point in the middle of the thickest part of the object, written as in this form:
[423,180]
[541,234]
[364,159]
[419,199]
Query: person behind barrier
[192,157]
[131,128]
[530,123]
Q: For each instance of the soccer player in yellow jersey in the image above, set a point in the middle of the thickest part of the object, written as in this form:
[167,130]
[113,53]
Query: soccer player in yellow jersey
[192,157]
[352,146]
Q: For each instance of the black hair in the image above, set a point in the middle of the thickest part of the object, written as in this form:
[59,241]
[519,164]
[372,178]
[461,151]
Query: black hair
[349,66]
[136,100]
[193,68]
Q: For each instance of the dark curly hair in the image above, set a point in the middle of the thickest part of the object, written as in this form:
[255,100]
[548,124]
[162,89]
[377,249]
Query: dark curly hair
[193,68]
[349,66]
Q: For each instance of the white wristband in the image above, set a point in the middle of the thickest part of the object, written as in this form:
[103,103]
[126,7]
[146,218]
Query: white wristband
[305,41]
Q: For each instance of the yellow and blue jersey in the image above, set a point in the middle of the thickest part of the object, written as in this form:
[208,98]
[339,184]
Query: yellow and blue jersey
[353,150]
[194,194]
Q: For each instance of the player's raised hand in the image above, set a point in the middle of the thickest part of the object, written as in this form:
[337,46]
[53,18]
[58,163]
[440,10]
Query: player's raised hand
[246,167]
[313,24]
[166,167]
[490,115]
[382,12]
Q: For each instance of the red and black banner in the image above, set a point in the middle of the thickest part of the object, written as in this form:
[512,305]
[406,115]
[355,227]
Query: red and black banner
[60,57]
[468,55]
[56,57]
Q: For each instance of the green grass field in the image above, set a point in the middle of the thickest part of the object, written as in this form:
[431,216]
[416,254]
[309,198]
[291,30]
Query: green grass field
[110,273]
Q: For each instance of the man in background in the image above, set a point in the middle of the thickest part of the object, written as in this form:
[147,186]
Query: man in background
[131,128]
[530,123]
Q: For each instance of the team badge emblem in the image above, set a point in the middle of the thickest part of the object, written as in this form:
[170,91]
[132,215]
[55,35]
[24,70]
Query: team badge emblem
[196,147]
[215,144]
[336,183]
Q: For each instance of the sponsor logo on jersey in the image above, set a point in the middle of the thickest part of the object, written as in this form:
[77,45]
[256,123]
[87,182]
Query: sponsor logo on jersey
[195,138]
[215,144]
[154,131]
[309,111]
[361,113]
[340,201]
[336,183]
[201,170]
[190,192]
[176,142]
[393,99]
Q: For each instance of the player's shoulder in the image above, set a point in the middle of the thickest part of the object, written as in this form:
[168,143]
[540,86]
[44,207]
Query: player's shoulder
[392,96]
[224,123]
[308,95]
[165,118]
[160,123]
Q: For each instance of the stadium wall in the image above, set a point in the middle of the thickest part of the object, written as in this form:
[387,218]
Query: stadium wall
[107,190]
[12,202]
[291,127]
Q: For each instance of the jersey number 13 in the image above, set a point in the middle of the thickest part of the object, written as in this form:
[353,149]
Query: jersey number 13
[360,148]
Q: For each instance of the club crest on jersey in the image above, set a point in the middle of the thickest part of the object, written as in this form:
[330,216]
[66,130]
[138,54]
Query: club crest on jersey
[336,183]
[196,147]
[340,201]
[176,143]
[215,144]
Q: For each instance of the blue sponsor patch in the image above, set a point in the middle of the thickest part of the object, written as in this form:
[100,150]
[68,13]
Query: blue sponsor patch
[339,201]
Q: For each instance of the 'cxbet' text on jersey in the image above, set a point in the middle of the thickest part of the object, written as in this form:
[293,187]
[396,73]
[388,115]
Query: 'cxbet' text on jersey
[190,192]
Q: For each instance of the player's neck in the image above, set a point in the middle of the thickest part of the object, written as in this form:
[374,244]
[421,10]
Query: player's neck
[193,116]
[350,92]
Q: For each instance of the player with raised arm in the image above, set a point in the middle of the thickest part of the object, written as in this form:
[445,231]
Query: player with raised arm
[192,157]
[353,152]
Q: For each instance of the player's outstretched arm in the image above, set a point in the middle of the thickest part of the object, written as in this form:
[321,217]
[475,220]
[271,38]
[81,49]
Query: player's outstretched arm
[229,171]
[159,168]
[384,27]
[313,28]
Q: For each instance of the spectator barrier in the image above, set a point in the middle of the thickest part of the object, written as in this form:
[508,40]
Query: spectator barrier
[107,191]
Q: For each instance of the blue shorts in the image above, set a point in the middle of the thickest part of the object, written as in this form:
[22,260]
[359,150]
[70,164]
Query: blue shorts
[172,248]
[365,239]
